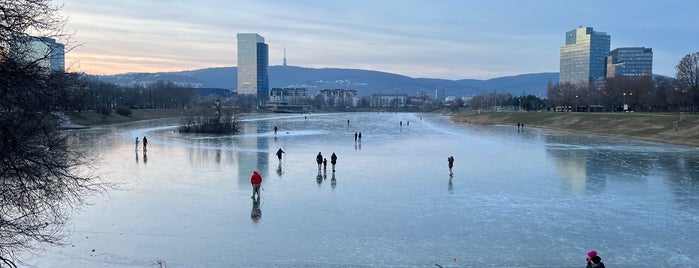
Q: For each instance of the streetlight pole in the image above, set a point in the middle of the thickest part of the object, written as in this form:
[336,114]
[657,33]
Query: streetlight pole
[631,96]
[624,104]
[576,103]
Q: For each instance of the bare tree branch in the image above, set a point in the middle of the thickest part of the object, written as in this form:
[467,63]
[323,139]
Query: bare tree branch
[43,175]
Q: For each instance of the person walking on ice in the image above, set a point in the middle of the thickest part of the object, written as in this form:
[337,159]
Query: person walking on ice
[333,160]
[136,143]
[325,164]
[450,159]
[145,143]
[279,154]
[319,160]
[256,181]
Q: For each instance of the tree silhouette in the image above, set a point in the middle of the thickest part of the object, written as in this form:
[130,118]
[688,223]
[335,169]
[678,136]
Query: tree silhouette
[688,75]
[42,175]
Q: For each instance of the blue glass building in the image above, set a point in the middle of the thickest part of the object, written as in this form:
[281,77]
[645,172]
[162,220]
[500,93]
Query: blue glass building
[630,61]
[584,55]
[253,66]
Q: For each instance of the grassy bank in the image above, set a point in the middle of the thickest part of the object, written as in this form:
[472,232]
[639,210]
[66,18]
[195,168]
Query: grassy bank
[92,118]
[644,126]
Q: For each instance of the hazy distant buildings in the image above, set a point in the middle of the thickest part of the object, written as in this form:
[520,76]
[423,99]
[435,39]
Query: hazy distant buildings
[253,66]
[584,55]
[289,95]
[630,61]
[339,97]
[439,94]
[44,51]
[388,100]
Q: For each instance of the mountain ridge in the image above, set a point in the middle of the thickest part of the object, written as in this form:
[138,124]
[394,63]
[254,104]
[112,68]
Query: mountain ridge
[366,82]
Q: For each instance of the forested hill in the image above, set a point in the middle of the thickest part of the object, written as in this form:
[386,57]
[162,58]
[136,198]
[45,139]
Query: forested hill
[366,82]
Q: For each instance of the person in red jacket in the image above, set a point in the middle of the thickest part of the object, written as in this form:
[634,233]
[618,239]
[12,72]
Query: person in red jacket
[256,181]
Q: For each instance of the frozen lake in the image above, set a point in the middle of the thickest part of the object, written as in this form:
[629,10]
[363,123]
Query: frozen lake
[516,199]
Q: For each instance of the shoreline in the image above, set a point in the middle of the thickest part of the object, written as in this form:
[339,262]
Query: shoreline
[654,127]
[89,118]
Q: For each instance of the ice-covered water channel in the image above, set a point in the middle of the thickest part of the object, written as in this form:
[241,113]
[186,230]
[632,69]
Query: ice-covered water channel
[516,199]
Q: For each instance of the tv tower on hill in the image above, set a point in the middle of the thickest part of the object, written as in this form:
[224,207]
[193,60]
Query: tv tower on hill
[284,62]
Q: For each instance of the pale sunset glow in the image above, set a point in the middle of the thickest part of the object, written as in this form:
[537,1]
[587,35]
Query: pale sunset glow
[443,39]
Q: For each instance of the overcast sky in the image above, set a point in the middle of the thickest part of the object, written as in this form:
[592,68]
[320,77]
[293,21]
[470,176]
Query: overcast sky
[438,39]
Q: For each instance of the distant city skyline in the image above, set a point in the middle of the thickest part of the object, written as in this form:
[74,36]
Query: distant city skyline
[444,39]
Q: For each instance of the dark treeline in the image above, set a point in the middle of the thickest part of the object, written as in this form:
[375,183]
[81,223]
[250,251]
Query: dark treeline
[641,94]
[97,95]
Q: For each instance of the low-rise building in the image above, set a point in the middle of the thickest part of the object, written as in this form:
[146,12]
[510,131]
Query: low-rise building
[388,100]
[340,97]
[289,95]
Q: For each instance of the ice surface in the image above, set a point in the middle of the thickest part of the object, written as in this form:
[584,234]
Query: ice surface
[516,199]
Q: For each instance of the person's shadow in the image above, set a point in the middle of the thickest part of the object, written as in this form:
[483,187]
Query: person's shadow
[256,212]
[279,169]
[451,185]
[333,181]
[145,157]
[319,178]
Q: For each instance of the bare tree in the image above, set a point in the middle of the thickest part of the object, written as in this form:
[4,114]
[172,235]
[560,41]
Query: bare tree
[688,71]
[42,175]
[688,76]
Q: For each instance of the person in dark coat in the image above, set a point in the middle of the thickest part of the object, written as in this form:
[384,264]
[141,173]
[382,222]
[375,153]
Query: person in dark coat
[597,262]
[279,154]
[319,160]
[590,254]
[450,159]
[145,143]
[333,160]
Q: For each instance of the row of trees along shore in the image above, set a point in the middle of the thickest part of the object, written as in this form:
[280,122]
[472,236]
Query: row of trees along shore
[643,94]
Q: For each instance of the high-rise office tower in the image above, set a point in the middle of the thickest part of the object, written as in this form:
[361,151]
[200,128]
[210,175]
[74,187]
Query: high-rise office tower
[630,61]
[43,51]
[253,65]
[584,55]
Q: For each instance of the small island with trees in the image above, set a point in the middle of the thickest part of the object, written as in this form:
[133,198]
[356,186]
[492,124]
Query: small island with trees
[216,119]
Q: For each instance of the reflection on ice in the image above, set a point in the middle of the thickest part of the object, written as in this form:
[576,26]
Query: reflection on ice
[516,198]
[256,213]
